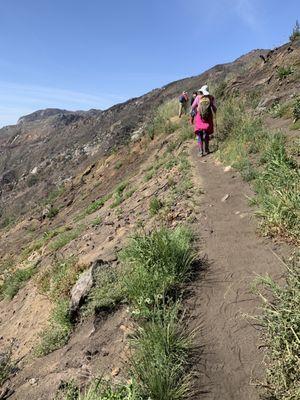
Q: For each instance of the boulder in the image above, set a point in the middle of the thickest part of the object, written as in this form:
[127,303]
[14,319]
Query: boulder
[80,291]
[83,286]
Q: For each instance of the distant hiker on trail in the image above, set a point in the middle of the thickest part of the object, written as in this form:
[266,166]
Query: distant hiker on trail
[183,103]
[193,112]
[204,105]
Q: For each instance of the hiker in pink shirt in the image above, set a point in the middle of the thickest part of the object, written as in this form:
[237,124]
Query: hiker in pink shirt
[204,105]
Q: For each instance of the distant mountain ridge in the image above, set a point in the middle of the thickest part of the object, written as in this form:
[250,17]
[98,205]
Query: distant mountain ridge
[50,112]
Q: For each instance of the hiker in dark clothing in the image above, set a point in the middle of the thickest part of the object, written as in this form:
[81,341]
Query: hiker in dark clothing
[183,103]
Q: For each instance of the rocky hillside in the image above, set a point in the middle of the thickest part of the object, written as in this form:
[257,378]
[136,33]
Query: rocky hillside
[75,186]
[47,147]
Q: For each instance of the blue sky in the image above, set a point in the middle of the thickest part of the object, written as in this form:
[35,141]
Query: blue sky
[77,54]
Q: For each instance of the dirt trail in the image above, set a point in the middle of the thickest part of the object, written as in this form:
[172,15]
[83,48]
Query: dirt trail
[231,357]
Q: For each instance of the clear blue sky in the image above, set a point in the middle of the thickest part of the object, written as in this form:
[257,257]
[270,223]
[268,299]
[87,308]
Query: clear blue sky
[81,54]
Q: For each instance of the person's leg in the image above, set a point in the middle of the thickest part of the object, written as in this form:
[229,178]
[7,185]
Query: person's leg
[200,141]
[180,110]
[206,142]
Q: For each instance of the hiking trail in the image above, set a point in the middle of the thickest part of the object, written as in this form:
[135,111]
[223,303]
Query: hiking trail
[231,360]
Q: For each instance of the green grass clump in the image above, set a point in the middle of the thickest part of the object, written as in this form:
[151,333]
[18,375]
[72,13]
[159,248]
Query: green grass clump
[130,192]
[296,109]
[277,188]
[58,279]
[155,205]
[161,347]
[107,292]
[96,222]
[59,330]
[119,194]
[161,122]
[280,110]
[118,164]
[6,365]
[157,263]
[14,281]
[64,238]
[101,390]
[281,320]
[276,178]
[96,205]
[296,32]
[52,212]
[56,282]
[283,72]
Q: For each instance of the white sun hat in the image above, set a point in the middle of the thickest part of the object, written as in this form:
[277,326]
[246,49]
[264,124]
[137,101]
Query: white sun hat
[204,90]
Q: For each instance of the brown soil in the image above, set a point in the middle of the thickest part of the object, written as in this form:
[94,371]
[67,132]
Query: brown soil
[222,300]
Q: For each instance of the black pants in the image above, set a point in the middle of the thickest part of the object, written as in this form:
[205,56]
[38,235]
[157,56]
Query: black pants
[203,136]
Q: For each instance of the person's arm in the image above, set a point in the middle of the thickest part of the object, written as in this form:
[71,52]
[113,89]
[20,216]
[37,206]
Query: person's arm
[195,103]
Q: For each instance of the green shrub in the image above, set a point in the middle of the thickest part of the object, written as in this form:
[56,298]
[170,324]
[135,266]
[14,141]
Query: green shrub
[161,121]
[96,222]
[52,212]
[130,192]
[64,238]
[220,90]
[59,330]
[156,263]
[6,365]
[118,194]
[279,110]
[118,164]
[160,359]
[276,181]
[14,281]
[32,180]
[155,205]
[58,279]
[283,72]
[281,320]
[278,195]
[96,205]
[296,109]
[296,32]
[101,390]
[107,292]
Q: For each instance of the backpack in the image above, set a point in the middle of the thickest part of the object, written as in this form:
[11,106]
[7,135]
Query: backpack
[204,108]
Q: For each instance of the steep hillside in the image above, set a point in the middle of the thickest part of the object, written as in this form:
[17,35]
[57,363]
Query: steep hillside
[75,291]
[47,147]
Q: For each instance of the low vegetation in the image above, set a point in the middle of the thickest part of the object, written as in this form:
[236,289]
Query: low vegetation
[107,293]
[281,320]
[100,390]
[96,205]
[296,32]
[296,109]
[262,158]
[57,281]
[6,364]
[64,238]
[154,267]
[58,332]
[14,281]
[161,122]
[283,72]
[155,205]
[118,196]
